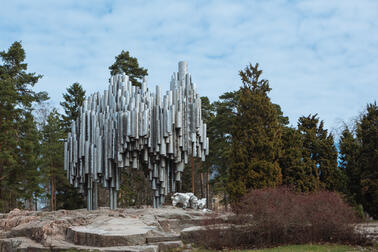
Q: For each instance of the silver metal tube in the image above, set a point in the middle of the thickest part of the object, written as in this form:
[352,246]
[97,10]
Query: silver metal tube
[130,124]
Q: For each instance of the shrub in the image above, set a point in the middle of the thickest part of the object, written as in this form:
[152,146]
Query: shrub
[278,216]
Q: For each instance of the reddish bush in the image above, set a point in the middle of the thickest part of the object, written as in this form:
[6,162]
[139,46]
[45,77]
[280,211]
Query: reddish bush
[275,216]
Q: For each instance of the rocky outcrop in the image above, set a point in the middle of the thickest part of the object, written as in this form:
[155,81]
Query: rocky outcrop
[107,231]
[144,229]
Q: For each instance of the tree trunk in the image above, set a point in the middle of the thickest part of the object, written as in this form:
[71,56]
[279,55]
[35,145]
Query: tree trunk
[201,184]
[208,202]
[1,172]
[51,194]
[193,191]
[31,203]
[54,182]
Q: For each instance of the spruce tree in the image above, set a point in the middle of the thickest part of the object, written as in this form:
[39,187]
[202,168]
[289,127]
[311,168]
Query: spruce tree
[130,66]
[219,131]
[256,137]
[67,196]
[73,99]
[367,134]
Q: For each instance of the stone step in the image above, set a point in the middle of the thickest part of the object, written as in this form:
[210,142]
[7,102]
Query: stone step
[176,225]
[19,244]
[155,239]
[110,232]
[24,244]
[100,240]
[169,245]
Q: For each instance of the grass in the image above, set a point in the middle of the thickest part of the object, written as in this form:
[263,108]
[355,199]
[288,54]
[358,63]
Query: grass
[308,248]
[312,248]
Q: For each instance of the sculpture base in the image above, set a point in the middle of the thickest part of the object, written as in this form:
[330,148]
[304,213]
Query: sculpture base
[145,229]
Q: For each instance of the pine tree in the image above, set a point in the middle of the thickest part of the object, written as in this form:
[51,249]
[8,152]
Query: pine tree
[196,172]
[52,155]
[135,189]
[208,116]
[29,174]
[73,99]
[130,66]
[367,134]
[256,137]
[16,100]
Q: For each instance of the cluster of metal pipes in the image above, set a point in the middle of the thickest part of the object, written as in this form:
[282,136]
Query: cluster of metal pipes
[128,127]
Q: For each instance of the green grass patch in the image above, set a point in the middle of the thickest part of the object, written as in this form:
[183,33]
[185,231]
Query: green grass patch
[311,248]
[307,248]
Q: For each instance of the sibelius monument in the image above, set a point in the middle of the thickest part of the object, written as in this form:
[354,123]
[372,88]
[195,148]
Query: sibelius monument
[127,127]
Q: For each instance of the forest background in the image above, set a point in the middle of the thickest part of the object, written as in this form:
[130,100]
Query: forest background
[252,145]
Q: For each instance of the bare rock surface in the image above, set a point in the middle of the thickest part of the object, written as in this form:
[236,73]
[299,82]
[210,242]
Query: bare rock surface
[370,229]
[107,231]
[143,229]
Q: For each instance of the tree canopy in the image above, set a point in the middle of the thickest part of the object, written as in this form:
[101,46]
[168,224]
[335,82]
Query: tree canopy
[251,145]
[256,137]
[73,99]
[16,124]
[130,66]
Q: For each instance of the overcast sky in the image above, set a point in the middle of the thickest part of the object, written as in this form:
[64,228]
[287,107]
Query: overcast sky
[319,56]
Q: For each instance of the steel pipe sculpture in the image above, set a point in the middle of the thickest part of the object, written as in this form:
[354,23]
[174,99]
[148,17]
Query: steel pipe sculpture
[128,127]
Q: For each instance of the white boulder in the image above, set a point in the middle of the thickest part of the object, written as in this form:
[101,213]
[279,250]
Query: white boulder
[188,200]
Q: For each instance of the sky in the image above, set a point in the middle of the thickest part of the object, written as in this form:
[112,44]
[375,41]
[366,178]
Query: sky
[319,56]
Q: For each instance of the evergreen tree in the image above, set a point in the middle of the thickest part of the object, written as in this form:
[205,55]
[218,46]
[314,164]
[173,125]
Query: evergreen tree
[256,137]
[219,132]
[73,99]
[349,163]
[52,155]
[130,66]
[135,189]
[29,174]
[282,120]
[367,134]
[208,115]
[67,196]
[196,172]
[294,172]
[16,100]
[132,193]
[320,154]
[307,127]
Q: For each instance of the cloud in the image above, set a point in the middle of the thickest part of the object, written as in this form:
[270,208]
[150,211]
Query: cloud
[319,56]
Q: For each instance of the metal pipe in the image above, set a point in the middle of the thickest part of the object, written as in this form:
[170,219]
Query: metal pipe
[130,124]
